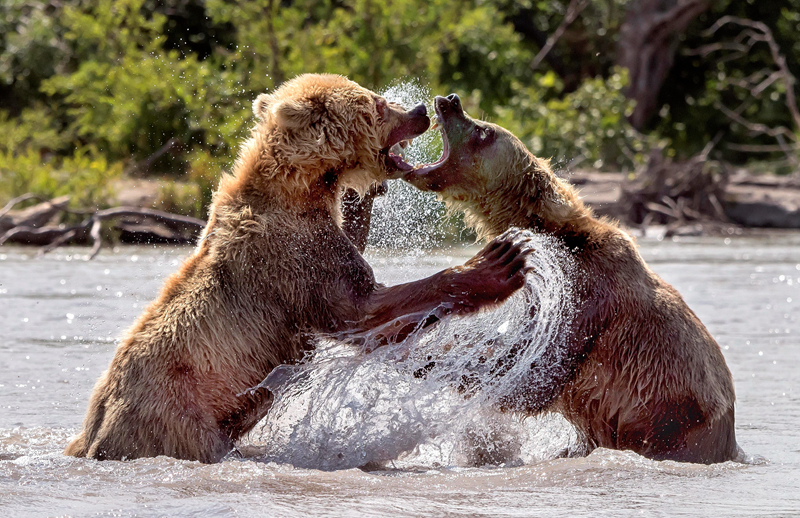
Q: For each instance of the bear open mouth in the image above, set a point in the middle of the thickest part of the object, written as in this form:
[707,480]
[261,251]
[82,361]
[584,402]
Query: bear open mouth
[393,156]
[414,123]
[427,168]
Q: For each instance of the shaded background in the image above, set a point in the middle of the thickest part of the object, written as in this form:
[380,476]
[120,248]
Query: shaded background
[95,92]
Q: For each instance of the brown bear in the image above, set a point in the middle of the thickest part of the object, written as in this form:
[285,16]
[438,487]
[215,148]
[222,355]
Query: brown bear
[641,371]
[272,268]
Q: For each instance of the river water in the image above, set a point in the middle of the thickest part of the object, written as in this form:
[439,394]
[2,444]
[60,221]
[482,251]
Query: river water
[61,315]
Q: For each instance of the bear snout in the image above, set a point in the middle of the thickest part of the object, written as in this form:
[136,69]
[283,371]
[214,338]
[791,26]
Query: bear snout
[419,111]
[447,104]
[455,100]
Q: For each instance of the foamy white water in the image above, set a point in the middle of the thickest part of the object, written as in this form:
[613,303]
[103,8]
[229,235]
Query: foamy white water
[407,219]
[431,400]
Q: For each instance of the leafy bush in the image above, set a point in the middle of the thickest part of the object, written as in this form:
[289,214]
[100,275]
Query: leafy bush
[86,176]
[588,126]
[119,79]
[132,96]
[34,129]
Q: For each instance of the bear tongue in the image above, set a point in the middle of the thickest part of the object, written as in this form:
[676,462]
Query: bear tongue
[400,163]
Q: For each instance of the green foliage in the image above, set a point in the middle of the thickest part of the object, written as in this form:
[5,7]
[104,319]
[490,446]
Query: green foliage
[86,176]
[205,171]
[132,96]
[31,50]
[588,126]
[124,77]
[192,196]
[32,129]
[484,54]
[698,84]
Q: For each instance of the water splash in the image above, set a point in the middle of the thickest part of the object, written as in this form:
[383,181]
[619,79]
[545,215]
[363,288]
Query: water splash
[405,218]
[346,407]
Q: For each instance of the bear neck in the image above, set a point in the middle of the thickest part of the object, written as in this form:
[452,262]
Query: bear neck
[265,184]
[532,198]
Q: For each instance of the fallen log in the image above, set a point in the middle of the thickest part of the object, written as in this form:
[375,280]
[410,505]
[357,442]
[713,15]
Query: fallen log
[29,226]
[670,198]
[35,216]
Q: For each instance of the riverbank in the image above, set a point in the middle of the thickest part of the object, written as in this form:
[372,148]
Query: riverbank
[745,201]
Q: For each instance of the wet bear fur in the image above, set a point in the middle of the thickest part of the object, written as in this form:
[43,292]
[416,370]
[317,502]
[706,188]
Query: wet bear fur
[273,267]
[641,372]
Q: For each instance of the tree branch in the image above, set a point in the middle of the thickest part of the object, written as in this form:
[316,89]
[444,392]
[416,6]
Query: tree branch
[19,199]
[646,48]
[759,32]
[573,10]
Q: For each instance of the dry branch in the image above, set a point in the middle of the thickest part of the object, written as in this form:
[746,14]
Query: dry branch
[755,32]
[15,201]
[35,216]
[573,10]
[32,229]
[760,32]
[677,194]
[145,165]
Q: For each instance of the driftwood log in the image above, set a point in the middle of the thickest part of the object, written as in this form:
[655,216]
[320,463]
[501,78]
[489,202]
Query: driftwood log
[693,197]
[36,225]
[676,194]
[689,197]
[36,216]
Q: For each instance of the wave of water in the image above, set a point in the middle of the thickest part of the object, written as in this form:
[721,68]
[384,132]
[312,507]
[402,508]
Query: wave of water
[430,400]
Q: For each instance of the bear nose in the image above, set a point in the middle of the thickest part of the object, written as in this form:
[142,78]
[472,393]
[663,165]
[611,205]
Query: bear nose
[455,102]
[419,111]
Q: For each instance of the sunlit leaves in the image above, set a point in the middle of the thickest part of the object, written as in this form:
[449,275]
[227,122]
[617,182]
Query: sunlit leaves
[586,128]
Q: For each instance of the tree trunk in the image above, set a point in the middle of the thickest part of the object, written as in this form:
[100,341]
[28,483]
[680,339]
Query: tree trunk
[647,46]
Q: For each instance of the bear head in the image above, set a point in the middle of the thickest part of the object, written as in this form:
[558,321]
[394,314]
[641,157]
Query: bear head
[325,128]
[488,173]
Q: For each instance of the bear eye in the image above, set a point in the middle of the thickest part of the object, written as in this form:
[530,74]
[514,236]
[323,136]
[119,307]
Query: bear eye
[484,134]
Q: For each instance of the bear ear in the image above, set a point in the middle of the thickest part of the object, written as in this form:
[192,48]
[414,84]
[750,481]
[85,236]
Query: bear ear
[296,113]
[261,105]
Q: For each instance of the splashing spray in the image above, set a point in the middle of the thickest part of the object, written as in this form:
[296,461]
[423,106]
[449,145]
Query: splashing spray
[406,219]
[432,399]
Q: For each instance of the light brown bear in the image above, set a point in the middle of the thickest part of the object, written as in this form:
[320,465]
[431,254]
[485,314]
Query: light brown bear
[642,373]
[273,268]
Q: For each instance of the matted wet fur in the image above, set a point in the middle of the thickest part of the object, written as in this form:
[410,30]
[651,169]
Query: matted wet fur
[642,372]
[272,268]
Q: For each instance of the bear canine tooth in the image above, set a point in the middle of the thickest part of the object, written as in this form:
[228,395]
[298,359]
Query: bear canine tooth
[398,150]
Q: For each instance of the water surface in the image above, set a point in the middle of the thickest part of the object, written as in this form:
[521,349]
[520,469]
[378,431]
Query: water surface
[61,316]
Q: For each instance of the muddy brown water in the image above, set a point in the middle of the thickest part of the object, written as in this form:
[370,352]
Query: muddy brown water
[61,315]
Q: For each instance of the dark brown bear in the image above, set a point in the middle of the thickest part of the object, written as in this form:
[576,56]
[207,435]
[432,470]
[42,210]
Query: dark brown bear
[641,371]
